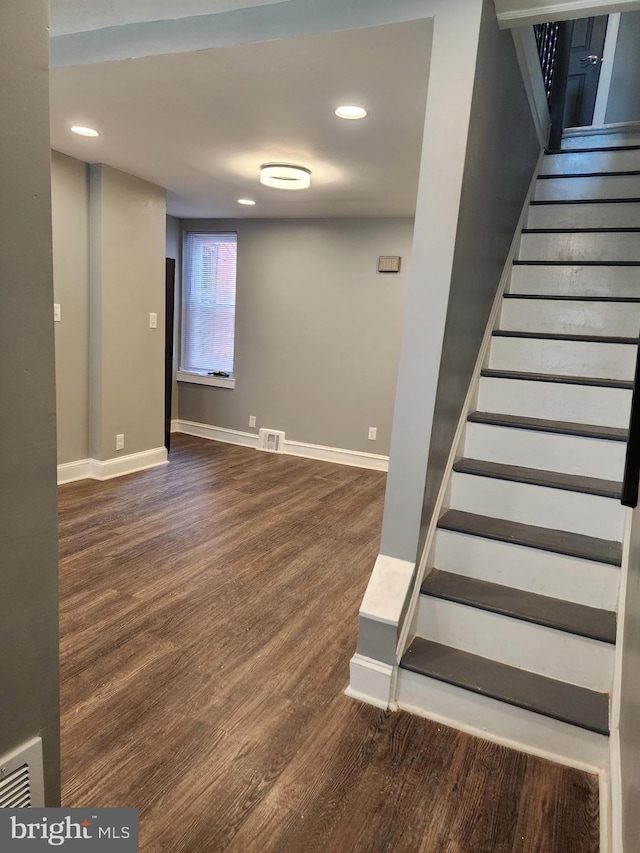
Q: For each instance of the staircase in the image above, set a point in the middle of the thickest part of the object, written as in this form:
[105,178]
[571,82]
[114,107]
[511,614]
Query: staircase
[517,615]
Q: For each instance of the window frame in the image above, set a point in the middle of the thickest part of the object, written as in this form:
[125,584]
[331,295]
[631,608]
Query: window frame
[192,375]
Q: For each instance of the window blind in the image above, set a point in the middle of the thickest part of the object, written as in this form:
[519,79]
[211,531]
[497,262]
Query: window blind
[209,302]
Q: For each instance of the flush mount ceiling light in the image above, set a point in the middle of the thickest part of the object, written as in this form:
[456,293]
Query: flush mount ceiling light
[84,131]
[285,177]
[351,112]
[246,201]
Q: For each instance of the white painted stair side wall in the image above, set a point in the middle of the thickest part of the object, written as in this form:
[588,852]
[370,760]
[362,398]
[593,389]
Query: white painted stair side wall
[547,451]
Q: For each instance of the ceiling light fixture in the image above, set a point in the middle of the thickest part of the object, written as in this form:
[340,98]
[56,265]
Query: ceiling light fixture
[84,131]
[285,177]
[246,201]
[351,112]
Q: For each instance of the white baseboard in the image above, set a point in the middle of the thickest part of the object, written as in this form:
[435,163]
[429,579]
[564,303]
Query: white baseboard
[371,681]
[356,458]
[96,469]
[69,472]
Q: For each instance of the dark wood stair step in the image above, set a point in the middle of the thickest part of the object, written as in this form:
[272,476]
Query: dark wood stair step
[568,703]
[539,477]
[524,263]
[619,174]
[606,433]
[519,604]
[527,535]
[538,202]
[561,297]
[490,373]
[594,148]
[561,336]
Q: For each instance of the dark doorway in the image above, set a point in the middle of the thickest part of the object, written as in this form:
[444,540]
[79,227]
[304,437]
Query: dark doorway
[170,277]
[587,45]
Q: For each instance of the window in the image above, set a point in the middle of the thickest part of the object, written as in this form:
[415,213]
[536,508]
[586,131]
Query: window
[208,307]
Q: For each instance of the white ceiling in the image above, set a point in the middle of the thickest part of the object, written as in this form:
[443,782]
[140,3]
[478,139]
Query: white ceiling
[76,16]
[202,123]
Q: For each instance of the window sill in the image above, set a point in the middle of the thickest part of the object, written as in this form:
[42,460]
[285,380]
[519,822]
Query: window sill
[205,379]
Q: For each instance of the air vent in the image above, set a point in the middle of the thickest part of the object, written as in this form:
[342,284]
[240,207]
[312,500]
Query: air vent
[21,779]
[271,440]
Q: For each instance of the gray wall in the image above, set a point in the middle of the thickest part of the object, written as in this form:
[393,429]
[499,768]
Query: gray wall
[70,213]
[318,331]
[624,94]
[28,536]
[502,150]
[127,273]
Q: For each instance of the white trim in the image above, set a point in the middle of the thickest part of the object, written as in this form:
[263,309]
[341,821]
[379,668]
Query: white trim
[615,794]
[570,9]
[213,433]
[606,69]
[96,469]
[469,403]
[108,468]
[527,52]
[70,472]
[371,681]
[205,379]
[355,458]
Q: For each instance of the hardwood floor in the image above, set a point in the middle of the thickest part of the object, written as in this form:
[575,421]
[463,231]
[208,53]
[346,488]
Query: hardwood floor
[208,614]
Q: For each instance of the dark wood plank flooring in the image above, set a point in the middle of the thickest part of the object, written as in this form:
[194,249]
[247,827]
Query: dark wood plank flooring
[208,614]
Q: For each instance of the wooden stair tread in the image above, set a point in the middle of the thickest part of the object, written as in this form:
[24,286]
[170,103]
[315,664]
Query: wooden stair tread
[542,425]
[539,477]
[525,263]
[560,336]
[541,538]
[552,297]
[491,373]
[519,604]
[538,202]
[568,703]
[617,174]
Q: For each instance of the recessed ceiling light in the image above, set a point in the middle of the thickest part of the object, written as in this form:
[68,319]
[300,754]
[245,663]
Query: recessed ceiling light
[84,131]
[246,201]
[351,112]
[285,177]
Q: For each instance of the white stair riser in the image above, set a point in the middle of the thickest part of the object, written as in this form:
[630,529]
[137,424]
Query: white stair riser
[580,318]
[621,215]
[591,161]
[554,575]
[536,648]
[564,358]
[555,401]
[541,506]
[610,246]
[575,280]
[568,454]
[501,722]
[598,139]
[609,186]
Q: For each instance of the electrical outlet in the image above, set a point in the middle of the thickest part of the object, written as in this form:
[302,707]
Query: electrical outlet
[153,321]
[373,432]
[56,312]
[120,441]
[252,420]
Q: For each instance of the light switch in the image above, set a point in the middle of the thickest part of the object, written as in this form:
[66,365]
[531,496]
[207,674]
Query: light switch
[56,312]
[153,321]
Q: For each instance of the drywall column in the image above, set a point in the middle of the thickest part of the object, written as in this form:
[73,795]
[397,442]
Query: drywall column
[28,524]
[127,249]
[454,51]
